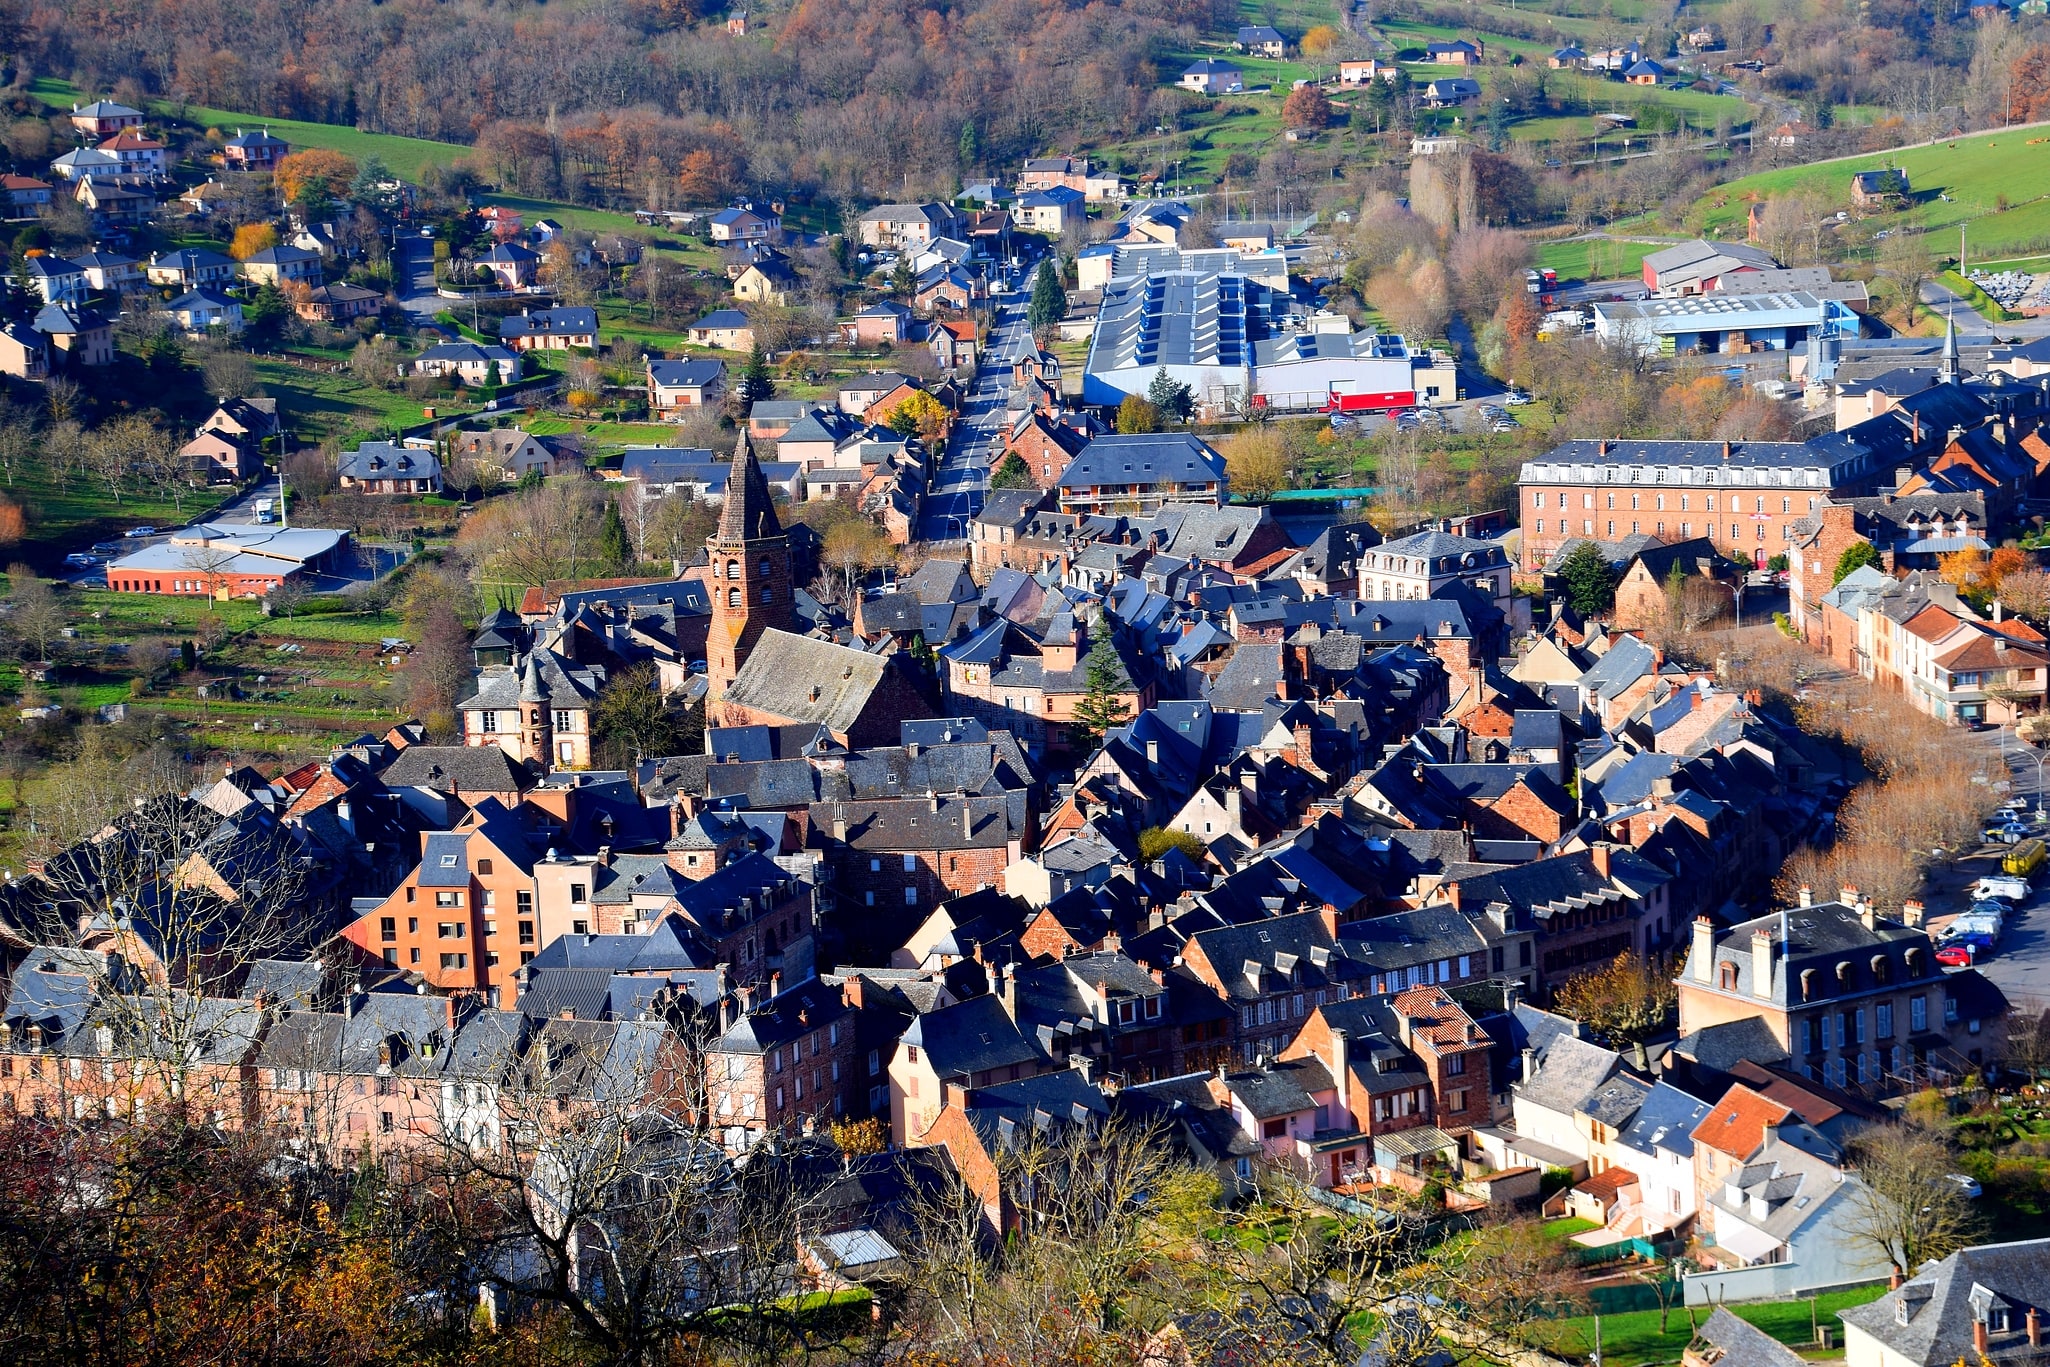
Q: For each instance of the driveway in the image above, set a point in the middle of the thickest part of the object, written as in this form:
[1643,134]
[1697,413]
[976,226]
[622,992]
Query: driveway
[962,480]
[413,278]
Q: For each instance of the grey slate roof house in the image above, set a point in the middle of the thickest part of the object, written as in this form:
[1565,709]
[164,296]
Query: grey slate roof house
[1984,1304]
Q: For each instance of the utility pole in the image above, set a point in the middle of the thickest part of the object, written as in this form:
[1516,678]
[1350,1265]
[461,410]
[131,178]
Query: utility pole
[1961,249]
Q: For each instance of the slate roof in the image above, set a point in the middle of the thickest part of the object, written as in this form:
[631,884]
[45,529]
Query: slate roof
[1151,458]
[790,1015]
[1727,1341]
[808,680]
[555,322]
[1665,1120]
[685,374]
[455,769]
[1943,1300]
[1573,1074]
[382,460]
[970,1037]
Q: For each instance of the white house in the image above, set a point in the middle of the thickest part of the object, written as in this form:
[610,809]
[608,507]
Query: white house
[1783,1224]
[1658,1145]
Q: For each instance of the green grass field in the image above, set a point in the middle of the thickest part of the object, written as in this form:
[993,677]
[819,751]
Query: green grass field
[72,516]
[1577,260]
[1977,173]
[1634,1339]
[321,405]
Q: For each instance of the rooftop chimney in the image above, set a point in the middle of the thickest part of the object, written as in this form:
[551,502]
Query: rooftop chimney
[1848,894]
[1807,897]
[1912,914]
[1340,1067]
[1979,1337]
[1761,962]
[1704,949]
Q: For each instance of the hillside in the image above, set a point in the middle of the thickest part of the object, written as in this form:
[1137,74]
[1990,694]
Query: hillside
[1997,184]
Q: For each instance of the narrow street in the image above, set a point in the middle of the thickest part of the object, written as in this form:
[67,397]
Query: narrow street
[962,480]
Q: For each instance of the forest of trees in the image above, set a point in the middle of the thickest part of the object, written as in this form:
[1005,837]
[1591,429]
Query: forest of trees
[849,97]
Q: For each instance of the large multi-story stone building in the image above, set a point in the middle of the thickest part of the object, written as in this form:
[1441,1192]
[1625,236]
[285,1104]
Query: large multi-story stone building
[1837,992]
[1745,497]
[1752,499]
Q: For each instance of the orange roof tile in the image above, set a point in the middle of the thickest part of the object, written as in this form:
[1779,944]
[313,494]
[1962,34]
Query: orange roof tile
[1436,1020]
[1931,623]
[1986,652]
[1737,1124]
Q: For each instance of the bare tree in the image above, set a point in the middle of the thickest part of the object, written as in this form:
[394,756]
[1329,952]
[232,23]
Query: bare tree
[38,619]
[162,901]
[2028,1036]
[1906,1211]
[210,561]
[577,1179]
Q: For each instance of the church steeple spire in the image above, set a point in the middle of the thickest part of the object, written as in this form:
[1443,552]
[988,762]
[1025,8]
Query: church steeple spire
[748,572]
[749,514]
[1948,372]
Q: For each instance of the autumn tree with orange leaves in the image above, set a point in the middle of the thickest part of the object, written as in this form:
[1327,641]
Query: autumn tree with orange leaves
[318,168]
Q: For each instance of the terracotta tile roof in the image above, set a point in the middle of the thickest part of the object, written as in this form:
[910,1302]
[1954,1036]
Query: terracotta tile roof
[1985,652]
[1737,1124]
[1608,1183]
[1436,1020]
[1931,623]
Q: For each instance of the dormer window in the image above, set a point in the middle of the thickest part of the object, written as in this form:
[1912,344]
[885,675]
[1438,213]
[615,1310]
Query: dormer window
[1727,975]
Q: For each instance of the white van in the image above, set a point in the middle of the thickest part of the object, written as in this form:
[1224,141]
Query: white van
[2011,888]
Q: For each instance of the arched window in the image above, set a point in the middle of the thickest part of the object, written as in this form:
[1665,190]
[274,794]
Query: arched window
[765,568]
[733,569]
[733,598]
[767,593]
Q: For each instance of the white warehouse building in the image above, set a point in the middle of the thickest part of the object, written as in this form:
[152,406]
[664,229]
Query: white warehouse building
[1197,325]
[1232,339]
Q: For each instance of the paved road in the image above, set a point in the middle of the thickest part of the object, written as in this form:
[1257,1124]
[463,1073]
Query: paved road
[962,480]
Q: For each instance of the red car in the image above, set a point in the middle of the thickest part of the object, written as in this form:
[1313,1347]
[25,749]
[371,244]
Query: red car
[1954,956]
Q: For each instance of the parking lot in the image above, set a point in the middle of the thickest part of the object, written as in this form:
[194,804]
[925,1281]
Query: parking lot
[2020,962]
[1479,414]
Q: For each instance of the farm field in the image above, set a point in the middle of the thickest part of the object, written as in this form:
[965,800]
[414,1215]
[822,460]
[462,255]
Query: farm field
[1978,173]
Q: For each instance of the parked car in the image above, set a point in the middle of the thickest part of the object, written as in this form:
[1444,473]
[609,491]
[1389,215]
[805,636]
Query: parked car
[1954,956]
[1504,425]
[80,560]
[1966,1183]
[1516,398]
[2006,834]
[133,532]
[106,548]
[2014,889]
